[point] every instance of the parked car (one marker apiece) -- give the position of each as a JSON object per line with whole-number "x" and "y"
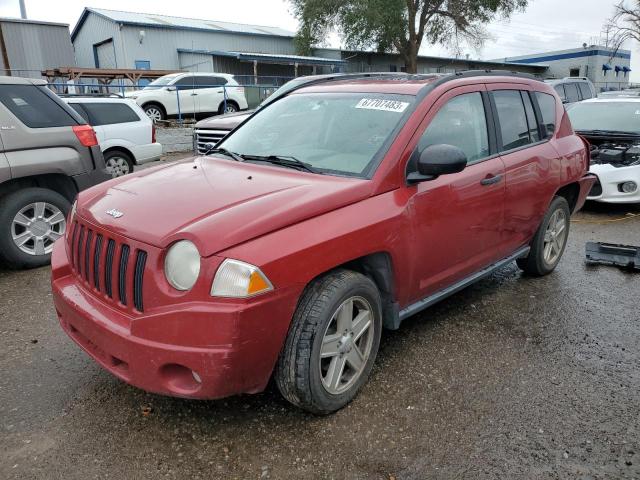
{"x": 48, "y": 154}
{"x": 210, "y": 131}
{"x": 612, "y": 127}
{"x": 197, "y": 93}
{"x": 345, "y": 206}
{"x": 620, "y": 93}
{"x": 126, "y": 135}
{"x": 573, "y": 89}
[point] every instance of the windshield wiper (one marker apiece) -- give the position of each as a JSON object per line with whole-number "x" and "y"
{"x": 283, "y": 160}
{"x": 608, "y": 132}
{"x": 226, "y": 152}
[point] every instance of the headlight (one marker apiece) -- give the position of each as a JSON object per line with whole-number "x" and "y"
{"x": 239, "y": 280}
{"x": 182, "y": 265}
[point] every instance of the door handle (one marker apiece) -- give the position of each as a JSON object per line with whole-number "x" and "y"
{"x": 491, "y": 180}
{"x": 194, "y": 94}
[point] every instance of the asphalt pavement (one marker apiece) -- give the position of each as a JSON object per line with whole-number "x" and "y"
{"x": 512, "y": 378}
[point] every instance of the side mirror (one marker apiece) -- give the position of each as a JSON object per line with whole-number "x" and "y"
{"x": 436, "y": 160}
{"x": 171, "y": 89}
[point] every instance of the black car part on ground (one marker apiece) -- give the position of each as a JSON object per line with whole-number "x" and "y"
{"x": 624, "y": 256}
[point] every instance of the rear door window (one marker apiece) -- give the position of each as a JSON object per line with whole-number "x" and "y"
{"x": 561, "y": 92}
{"x": 210, "y": 82}
{"x": 572, "y": 92}
{"x": 109, "y": 113}
{"x": 34, "y": 107}
{"x": 512, "y": 118}
{"x": 585, "y": 90}
{"x": 547, "y": 104}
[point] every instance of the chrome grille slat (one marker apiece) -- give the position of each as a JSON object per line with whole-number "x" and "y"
{"x": 204, "y": 136}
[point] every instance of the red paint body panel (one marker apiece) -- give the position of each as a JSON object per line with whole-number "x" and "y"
{"x": 294, "y": 226}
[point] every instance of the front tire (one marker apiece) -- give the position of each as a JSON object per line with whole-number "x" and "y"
{"x": 550, "y": 240}
{"x": 332, "y": 342}
{"x": 155, "y": 112}
{"x": 118, "y": 163}
{"x": 31, "y": 220}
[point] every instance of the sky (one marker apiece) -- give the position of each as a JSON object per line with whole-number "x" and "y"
{"x": 544, "y": 26}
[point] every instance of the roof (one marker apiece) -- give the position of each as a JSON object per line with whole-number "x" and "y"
{"x": 269, "y": 57}
{"x": 593, "y": 50}
{"x": 32, "y": 22}
{"x": 166, "y": 21}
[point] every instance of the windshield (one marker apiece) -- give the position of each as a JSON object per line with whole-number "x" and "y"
{"x": 338, "y": 133}
{"x": 615, "y": 116}
{"x": 160, "y": 82}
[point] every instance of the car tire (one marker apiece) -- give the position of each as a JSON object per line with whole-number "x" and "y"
{"x": 231, "y": 107}
{"x": 155, "y": 112}
{"x": 118, "y": 163}
{"x": 28, "y": 244}
{"x": 550, "y": 240}
{"x": 307, "y": 374}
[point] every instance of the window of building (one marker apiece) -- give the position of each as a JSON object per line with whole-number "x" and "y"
{"x": 547, "y": 105}
{"x": 34, "y": 107}
{"x": 461, "y": 122}
{"x": 512, "y": 118}
{"x": 143, "y": 65}
{"x": 574, "y": 72}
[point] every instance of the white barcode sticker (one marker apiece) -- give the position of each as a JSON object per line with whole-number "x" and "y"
{"x": 381, "y": 104}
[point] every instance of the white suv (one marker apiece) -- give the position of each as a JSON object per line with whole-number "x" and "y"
{"x": 127, "y": 137}
{"x": 190, "y": 94}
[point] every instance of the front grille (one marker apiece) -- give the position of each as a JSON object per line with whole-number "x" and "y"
{"x": 596, "y": 190}
{"x": 204, "y": 136}
{"x": 107, "y": 270}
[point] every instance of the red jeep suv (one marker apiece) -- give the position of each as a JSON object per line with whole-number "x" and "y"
{"x": 339, "y": 209}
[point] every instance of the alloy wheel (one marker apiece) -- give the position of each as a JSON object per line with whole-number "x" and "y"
{"x": 555, "y": 237}
{"x": 154, "y": 114}
{"x": 346, "y": 345}
{"x": 117, "y": 166}
{"x": 230, "y": 108}
{"x": 36, "y": 227}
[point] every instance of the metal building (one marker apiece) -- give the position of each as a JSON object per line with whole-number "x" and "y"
{"x": 28, "y": 47}
{"x": 114, "y": 39}
{"x": 607, "y": 68}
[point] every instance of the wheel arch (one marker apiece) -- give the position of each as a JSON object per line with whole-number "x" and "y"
{"x": 121, "y": 149}
{"x": 57, "y": 182}
{"x": 155, "y": 103}
{"x": 571, "y": 193}
{"x": 378, "y": 267}
{"x": 221, "y": 106}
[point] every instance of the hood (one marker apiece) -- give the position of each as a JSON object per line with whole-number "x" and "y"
{"x": 215, "y": 203}
{"x": 228, "y": 121}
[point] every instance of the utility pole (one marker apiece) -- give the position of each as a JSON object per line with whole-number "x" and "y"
{"x": 23, "y": 10}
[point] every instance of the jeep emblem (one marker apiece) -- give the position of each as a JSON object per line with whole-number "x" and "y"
{"x": 115, "y": 213}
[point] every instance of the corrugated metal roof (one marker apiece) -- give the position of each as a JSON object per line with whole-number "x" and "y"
{"x": 269, "y": 57}
{"x": 167, "y": 21}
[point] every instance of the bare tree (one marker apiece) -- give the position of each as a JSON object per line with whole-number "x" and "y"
{"x": 624, "y": 25}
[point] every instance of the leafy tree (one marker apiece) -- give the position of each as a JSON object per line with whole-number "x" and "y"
{"x": 399, "y": 25}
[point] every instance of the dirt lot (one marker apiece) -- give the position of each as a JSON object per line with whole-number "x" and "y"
{"x": 513, "y": 378}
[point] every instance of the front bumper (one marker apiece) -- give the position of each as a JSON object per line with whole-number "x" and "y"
{"x": 209, "y": 349}
{"x": 610, "y": 178}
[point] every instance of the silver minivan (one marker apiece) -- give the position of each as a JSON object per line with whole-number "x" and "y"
{"x": 48, "y": 154}
{"x": 573, "y": 89}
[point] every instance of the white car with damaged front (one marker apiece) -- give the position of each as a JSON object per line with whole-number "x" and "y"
{"x": 612, "y": 127}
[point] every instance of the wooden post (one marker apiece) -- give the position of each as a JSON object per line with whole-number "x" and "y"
{"x": 295, "y": 69}
{"x": 255, "y": 72}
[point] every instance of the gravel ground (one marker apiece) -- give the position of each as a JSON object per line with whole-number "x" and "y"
{"x": 513, "y": 378}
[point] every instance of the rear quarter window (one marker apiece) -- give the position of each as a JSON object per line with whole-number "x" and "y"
{"x": 109, "y": 113}
{"x": 585, "y": 90}
{"x": 34, "y": 107}
{"x": 547, "y": 104}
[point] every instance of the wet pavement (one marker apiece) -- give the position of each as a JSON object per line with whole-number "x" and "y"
{"x": 513, "y": 378}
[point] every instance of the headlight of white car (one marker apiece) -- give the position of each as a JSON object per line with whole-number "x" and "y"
{"x": 182, "y": 265}
{"x": 239, "y": 280}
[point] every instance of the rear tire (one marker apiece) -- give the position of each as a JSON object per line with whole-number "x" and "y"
{"x": 332, "y": 342}
{"x": 231, "y": 107}
{"x": 30, "y": 221}
{"x": 550, "y": 240}
{"x": 118, "y": 163}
